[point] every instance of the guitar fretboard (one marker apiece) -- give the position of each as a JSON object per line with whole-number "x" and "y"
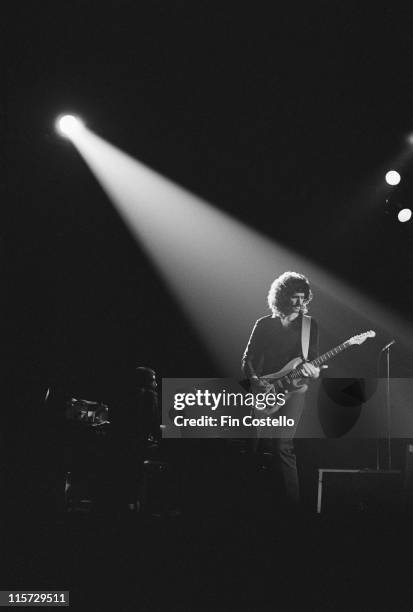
{"x": 321, "y": 359}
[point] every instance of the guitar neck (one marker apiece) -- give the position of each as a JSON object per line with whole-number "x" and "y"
{"x": 359, "y": 339}
{"x": 322, "y": 358}
{"x": 332, "y": 353}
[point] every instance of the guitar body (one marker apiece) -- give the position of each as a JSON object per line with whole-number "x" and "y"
{"x": 284, "y": 386}
{"x": 277, "y": 383}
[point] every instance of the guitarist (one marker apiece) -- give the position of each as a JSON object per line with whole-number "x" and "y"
{"x": 276, "y": 339}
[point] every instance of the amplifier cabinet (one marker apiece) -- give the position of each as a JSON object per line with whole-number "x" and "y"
{"x": 359, "y": 490}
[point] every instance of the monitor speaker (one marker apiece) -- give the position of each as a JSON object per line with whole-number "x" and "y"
{"x": 359, "y": 491}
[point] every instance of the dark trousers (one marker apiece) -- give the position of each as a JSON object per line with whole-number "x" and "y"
{"x": 280, "y": 457}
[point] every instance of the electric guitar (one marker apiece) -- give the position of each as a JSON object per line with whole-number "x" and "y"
{"x": 288, "y": 380}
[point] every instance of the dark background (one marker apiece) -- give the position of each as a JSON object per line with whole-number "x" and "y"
{"x": 285, "y": 117}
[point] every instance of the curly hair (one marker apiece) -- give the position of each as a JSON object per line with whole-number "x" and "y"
{"x": 283, "y": 288}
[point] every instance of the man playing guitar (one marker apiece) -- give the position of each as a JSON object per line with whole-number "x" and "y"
{"x": 275, "y": 340}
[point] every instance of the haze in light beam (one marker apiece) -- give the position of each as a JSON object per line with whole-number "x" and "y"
{"x": 219, "y": 269}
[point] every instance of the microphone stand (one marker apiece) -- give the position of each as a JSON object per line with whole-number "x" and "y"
{"x": 386, "y": 349}
{"x": 388, "y": 406}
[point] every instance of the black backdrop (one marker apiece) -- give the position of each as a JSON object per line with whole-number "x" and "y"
{"x": 286, "y": 120}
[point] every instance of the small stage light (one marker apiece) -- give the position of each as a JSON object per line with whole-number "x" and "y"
{"x": 404, "y": 215}
{"x": 393, "y": 177}
{"x": 68, "y": 125}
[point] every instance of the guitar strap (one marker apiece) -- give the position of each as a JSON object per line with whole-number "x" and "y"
{"x": 305, "y": 335}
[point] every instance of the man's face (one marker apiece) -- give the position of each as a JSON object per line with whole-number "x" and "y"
{"x": 297, "y": 301}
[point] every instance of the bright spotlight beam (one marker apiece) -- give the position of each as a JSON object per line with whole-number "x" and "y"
{"x": 69, "y": 125}
{"x": 218, "y": 268}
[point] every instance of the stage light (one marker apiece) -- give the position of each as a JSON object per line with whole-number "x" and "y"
{"x": 393, "y": 177}
{"x": 69, "y": 125}
{"x": 404, "y": 215}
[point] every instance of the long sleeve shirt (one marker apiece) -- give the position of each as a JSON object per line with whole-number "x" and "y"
{"x": 271, "y": 345}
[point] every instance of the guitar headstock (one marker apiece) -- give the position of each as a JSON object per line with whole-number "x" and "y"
{"x": 360, "y": 338}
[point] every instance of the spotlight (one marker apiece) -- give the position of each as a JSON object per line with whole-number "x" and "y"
{"x": 404, "y": 215}
{"x": 393, "y": 177}
{"x": 69, "y": 125}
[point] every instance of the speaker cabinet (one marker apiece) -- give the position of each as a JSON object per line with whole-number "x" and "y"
{"x": 358, "y": 491}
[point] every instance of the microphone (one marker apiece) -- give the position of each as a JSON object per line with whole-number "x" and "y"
{"x": 387, "y": 346}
